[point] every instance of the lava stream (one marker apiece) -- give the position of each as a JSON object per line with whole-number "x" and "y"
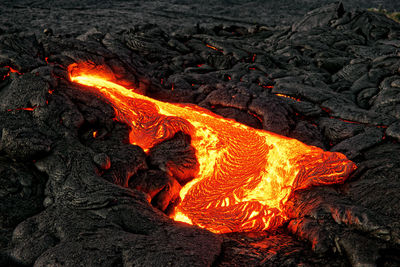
{"x": 245, "y": 174}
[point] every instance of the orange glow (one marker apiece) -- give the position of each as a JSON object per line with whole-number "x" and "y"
{"x": 13, "y": 70}
{"x": 245, "y": 176}
{"x": 213, "y": 47}
{"x": 287, "y": 96}
{"x": 266, "y": 86}
{"x": 26, "y": 109}
{"x": 10, "y": 70}
{"x": 255, "y": 115}
{"x": 94, "y": 134}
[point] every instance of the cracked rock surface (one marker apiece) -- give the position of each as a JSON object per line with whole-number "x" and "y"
{"x": 74, "y": 192}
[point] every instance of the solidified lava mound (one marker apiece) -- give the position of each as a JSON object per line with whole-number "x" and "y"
{"x": 75, "y": 192}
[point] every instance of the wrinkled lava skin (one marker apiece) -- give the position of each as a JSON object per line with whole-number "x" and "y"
{"x": 245, "y": 176}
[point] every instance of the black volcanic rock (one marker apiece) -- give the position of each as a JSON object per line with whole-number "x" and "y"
{"x": 353, "y": 146}
{"x": 22, "y": 138}
{"x": 275, "y": 114}
{"x": 176, "y": 157}
{"x": 73, "y": 191}
{"x": 110, "y": 219}
{"x": 162, "y": 188}
{"x": 394, "y": 131}
{"x": 21, "y": 196}
{"x": 33, "y": 89}
{"x": 320, "y": 17}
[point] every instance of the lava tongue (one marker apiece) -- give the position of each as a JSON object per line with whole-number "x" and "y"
{"x": 245, "y": 175}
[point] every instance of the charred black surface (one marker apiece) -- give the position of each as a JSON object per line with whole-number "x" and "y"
{"x": 176, "y": 157}
{"x": 74, "y": 192}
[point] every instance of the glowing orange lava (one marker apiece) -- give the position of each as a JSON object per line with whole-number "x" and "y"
{"x": 13, "y": 70}
{"x": 10, "y": 70}
{"x": 27, "y": 109}
{"x": 287, "y": 96}
{"x": 245, "y": 175}
{"x": 214, "y": 48}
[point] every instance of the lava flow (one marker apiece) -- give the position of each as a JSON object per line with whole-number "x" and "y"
{"x": 245, "y": 175}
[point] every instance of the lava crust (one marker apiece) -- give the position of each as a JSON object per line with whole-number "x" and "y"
{"x": 79, "y": 185}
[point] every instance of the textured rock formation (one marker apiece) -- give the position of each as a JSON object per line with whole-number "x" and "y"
{"x": 74, "y": 192}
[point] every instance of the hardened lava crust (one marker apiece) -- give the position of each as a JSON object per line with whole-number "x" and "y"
{"x": 75, "y": 192}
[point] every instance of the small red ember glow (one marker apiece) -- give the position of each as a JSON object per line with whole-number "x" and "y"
{"x": 266, "y": 86}
{"x": 27, "y": 109}
{"x": 13, "y": 70}
{"x": 246, "y": 175}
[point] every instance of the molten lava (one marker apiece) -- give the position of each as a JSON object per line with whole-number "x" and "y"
{"x": 245, "y": 176}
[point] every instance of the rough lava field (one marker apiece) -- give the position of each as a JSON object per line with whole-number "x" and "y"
{"x": 74, "y": 192}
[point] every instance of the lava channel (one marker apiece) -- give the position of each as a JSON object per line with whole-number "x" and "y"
{"x": 245, "y": 175}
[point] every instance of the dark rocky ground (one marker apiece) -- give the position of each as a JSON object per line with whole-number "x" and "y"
{"x": 69, "y": 199}
{"x": 77, "y": 16}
